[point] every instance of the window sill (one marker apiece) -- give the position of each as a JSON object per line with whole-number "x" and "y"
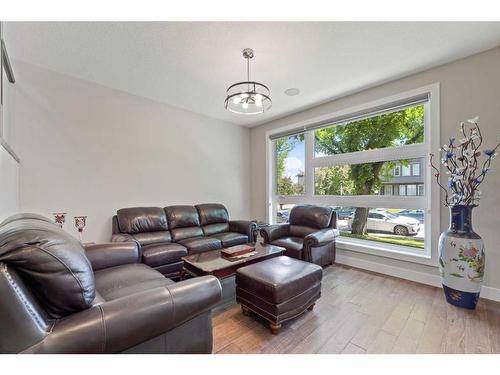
{"x": 404, "y": 253}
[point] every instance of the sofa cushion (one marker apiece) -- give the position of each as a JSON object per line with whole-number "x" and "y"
{"x": 294, "y": 243}
{"x": 113, "y": 283}
{"x": 159, "y": 254}
{"x": 211, "y": 213}
{"x": 201, "y": 244}
{"x": 210, "y": 229}
{"x": 182, "y": 216}
{"x": 301, "y": 230}
{"x": 141, "y": 219}
{"x": 148, "y": 238}
{"x": 311, "y": 216}
{"x": 179, "y": 234}
{"x": 51, "y": 261}
{"x": 230, "y": 238}
{"x": 279, "y": 279}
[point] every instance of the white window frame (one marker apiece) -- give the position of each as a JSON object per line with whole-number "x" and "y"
{"x": 429, "y": 203}
{"x": 420, "y": 186}
{"x": 406, "y": 168}
{"x": 398, "y": 169}
{"x": 402, "y": 186}
{"x": 411, "y": 195}
{"x": 413, "y": 165}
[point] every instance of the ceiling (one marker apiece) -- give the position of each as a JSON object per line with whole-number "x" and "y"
{"x": 190, "y": 64}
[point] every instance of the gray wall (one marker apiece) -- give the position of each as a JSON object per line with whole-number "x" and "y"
{"x": 469, "y": 87}
{"x": 89, "y": 150}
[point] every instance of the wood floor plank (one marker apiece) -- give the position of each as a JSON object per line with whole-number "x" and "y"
{"x": 431, "y": 340}
{"x": 382, "y": 344}
{"x": 353, "y": 349}
{"x": 408, "y": 339}
{"x": 364, "y": 312}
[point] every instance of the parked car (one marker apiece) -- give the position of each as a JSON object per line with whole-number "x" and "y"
{"x": 416, "y": 214}
{"x": 384, "y": 221}
{"x": 344, "y": 213}
{"x": 282, "y": 216}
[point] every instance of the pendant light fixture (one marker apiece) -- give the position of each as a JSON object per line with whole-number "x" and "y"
{"x": 249, "y": 97}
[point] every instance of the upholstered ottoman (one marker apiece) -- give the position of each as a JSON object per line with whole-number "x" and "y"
{"x": 278, "y": 289}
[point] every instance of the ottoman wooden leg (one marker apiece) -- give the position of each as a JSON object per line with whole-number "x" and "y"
{"x": 310, "y": 308}
{"x": 245, "y": 310}
{"x": 275, "y": 328}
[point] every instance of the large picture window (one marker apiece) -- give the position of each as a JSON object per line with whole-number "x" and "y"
{"x": 358, "y": 163}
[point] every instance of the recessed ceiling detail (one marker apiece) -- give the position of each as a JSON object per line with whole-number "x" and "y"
{"x": 293, "y": 91}
{"x": 190, "y": 64}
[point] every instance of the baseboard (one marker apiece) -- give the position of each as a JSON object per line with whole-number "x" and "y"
{"x": 487, "y": 292}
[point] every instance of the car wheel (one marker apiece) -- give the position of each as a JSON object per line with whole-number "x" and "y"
{"x": 401, "y": 230}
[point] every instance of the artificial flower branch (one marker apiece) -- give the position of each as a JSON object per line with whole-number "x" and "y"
{"x": 462, "y": 162}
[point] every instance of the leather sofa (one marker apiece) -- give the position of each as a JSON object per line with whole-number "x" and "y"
{"x": 167, "y": 234}
{"x": 309, "y": 235}
{"x": 58, "y": 297}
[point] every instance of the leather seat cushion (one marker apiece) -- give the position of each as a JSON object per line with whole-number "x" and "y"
{"x": 311, "y": 216}
{"x": 182, "y": 216}
{"x": 120, "y": 281}
{"x": 163, "y": 253}
{"x": 230, "y": 238}
{"x": 147, "y": 238}
{"x": 201, "y": 244}
{"x": 141, "y": 219}
{"x": 211, "y": 229}
{"x": 211, "y": 213}
{"x": 293, "y": 243}
{"x": 51, "y": 262}
{"x": 278, "y": 279}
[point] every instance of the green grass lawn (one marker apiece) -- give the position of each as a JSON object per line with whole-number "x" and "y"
{"x": 396, "y": 240}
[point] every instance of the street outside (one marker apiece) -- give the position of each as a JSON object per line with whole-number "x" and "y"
{"x": 342, "y": 225}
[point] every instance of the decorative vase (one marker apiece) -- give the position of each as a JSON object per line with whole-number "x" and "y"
{"x": 461, "y": 259}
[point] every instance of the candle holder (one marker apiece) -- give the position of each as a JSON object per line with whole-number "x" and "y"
{"x": 80, "y": 222}
{"x": 59, "y": 218}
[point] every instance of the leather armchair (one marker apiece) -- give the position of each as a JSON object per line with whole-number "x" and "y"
{"x": 58, "y": 297}
{"x": 310, "y": 234}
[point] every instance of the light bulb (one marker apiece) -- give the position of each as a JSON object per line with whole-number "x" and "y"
{"x": 258, "y": 103}
{"x": 236, "y": 100}
{"x": 245, "y": 105}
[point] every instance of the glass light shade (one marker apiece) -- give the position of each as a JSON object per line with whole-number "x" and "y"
{"x": 248, "y": 98}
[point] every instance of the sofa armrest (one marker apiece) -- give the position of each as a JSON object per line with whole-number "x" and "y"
{"x": 244, "y": 227}
{"x": 113, "y": 254}
{"x": 320, "y": 237}
{"x": 122, "y": 323}
{"x": 273, "y": 232}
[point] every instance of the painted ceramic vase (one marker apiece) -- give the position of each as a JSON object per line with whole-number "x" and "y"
{"x": 461, "y": 259}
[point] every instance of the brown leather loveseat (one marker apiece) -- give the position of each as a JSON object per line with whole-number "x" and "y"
{"x": 57, "y": 297}
{"x": 309, "y": 235}
{"x": 167, "y": 234}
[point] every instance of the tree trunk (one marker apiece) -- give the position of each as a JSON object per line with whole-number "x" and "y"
{"x": 360, "y": 219}
{"x": 359, "y": 222}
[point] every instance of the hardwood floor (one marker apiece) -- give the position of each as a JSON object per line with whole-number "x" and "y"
{"x": 363, "y": 312}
